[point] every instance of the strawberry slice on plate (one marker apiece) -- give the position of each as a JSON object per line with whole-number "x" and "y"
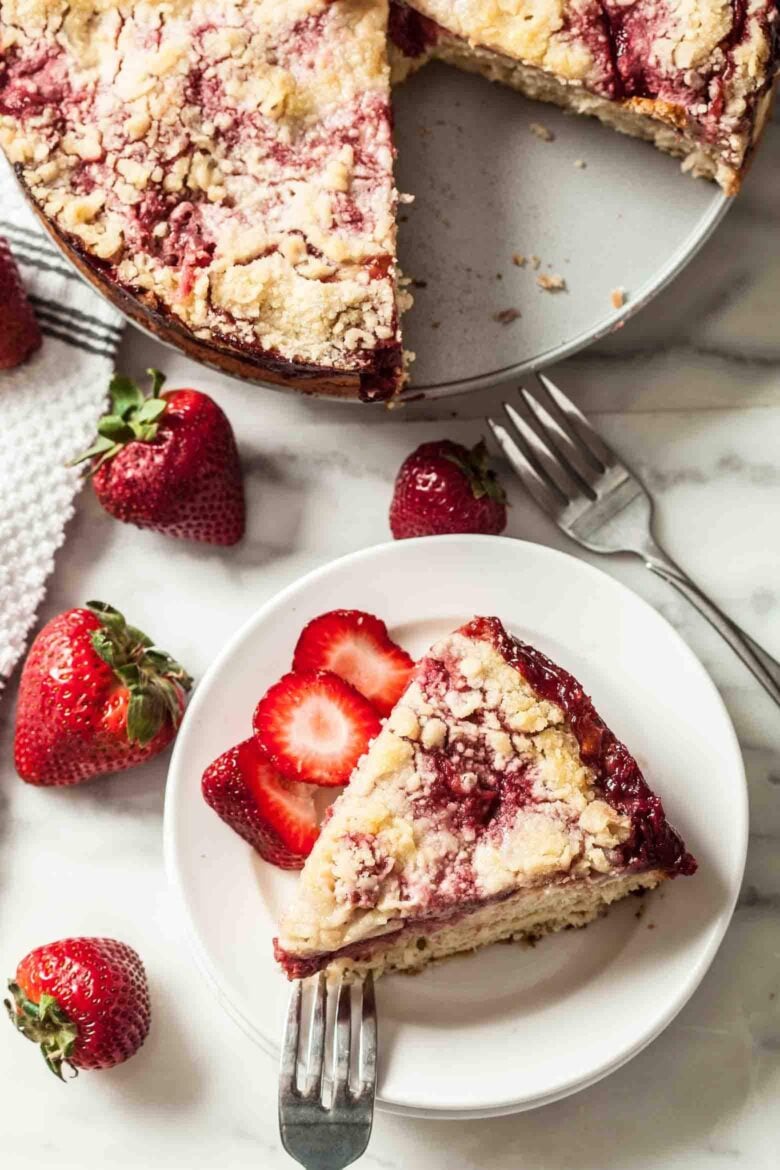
{"x": 276, "y": 816}
{"x": 315, "y": 727}
{"x": 356, "y": 646}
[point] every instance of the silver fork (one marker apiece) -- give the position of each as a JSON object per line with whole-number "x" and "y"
{"x": 597, "y": 501}
{"x": 326, "y": 1114}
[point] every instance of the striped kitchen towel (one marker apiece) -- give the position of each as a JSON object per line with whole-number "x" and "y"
{"x": 48, "y": 410}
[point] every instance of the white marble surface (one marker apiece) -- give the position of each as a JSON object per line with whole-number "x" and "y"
{"x": 690, "y": 392}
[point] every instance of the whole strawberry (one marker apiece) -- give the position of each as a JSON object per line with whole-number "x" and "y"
{"x": 95, "y": 696}
{"x": 20, "y": 334}
{"x": 168, "y": 462}
{"x": 443, "y": 487}
{"x": 85, "y": 1001}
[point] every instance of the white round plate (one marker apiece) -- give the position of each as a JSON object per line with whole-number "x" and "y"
{"x": 510, "y": 1027}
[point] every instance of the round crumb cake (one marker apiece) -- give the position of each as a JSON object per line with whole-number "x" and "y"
{"x": 223, "y": 171}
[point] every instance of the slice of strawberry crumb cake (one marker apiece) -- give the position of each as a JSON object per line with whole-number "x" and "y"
{"x": 494, "y": 804}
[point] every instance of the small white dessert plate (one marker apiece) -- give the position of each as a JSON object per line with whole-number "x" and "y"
{"x": 510, "y": 1027}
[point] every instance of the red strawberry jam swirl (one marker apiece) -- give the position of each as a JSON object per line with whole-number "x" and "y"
{"x": 410, "y": 31}
{"x": 654, "y": 844}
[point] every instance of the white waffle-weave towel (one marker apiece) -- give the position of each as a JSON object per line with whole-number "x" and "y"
{"x": 48, "y": 410}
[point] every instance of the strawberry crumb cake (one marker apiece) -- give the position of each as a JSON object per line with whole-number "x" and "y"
{"x": 225, "y": 167}
{"x": 494, "y": 804}
{"x": 694, "y": 77}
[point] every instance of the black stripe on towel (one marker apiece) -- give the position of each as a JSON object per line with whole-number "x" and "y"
{"x": 80, "y": 320}
{"x": 77, "y": 342}
{"x": 32, "y": 261}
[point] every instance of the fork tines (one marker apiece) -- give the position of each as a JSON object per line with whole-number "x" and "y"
{"x": 563, "y": 463}
{"x": 327, "y": 1079}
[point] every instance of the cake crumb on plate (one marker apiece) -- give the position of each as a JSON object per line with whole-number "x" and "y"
{"x": 618, "y": 298}
{"x": 551, "y": 282}
{"x": 518, "y": 259}
{"x": 541, "y": 132}
{"x": 507, "y": 316}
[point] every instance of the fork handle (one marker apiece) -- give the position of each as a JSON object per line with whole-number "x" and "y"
{"x": 761, "y": 664}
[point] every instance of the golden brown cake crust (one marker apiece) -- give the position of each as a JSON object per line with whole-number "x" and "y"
{"x": 333, "y": 384}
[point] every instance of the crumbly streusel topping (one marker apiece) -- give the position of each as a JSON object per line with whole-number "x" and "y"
{"x": 474, "y": 788}
{"x": 233, "y": 160}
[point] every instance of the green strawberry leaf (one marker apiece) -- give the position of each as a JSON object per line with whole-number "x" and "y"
{"x": 158, "y": 381}
{"x": 138, "y": 636}
{"x": 130, "y": 674}
{"x": 125, "y": 394}
{"x": 47, "y": 1025}
{"x": 133, "y": 418}
{"x": 114, "y": 427}
{"x": 475, "y": 465}
{"x": 110, "y": 618}
{"x": 151, "y": 410}
{"x": 103, "y": 645}
{"x": 144, "y": 432}
{"x": 102, "y": 446}
{"x": 155, "y": 681}
{"x": 145, "y": 716}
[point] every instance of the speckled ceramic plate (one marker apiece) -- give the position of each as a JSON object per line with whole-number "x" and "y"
{"x": 510, "y": 1027}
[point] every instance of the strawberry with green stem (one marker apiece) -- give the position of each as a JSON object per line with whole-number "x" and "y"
{"x": 96, "y": 696}
{"x": 83, "y": 1001}
{"x": 168, "y": 462}
{"x": 444, "y": 487}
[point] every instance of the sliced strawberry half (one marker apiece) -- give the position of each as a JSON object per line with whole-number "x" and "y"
{"x": 356, "y": 646}
{"x": 315, "y": 726}
{"x": 276, "y": 816}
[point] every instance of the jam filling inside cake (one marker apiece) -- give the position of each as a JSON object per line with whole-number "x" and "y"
{"x": 703, "y": 70}
{"x": 410, "y": 31}
{"x": 229, "y": 164}
{"x": 653, "y": 842}
{"x": 495, "y": 803}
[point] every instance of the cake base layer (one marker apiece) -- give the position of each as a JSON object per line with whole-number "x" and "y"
{"x": 658, "y": 122}
{"x": 528, "y": 915}
{"x": 714, "y": 138}
{"x": 653, "y": 121}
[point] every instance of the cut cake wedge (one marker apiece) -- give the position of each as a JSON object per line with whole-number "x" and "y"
{"x": 495, "y": 804}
